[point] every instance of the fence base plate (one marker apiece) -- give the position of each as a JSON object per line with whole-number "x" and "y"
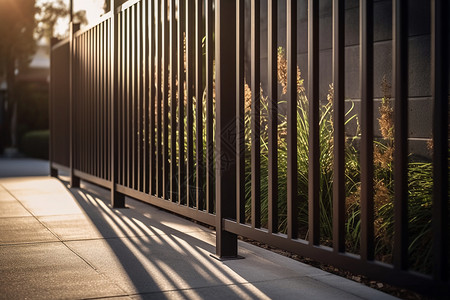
{"x": 225, "y": 258}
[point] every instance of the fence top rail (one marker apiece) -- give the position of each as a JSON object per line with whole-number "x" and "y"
{"x": 60, "y": 43}
{"x": 102, "y": 19}
{"x": 126, "y": 5}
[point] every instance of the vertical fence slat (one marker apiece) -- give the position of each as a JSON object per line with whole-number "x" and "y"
{"x": 439, "y": 90}
{"x": 240, "y": 112}
{"x": 82, "y": 105}
{"x": 123, "y": 100}
{"x": 80, "y": 96}
{"x": 255, "y": 120}
{"x": 127, "y": 79}
{"x": 209, "y": 105}
{"x": 52, "y": 123}
{"x": 173, "y": 103}
{"x": 181, "y": 103}
{"x": 139, "y": 74}
{"x": 400, "y": 77}
{"x": 291, "y": 55}
{"x": 102, "y": 100}
{"x": 74, "y": 181}
{"x": 112, "y": 98}
{"x": 313, "y": 120}
{"x": 119, "y": 99}
{"x": 152, "y": 26}
{"x": 92, "y": 103}
{"x": 190, "y": 48}
{"x": 273, "y": 115}
{"x": 199, "y": 104}
{"x": 101, "y": 63}
{"x": 86, "y": 106}
{"x": 119, "y": 76}
{"x": 85, "y": 103}
{"x": 97, "y": 101}
{"x": 89, "y": 103}
{"x": 165, "y": 121}
{"x": 91, "y": 99}
{"x": 106, "y": 74}
{"x": 117, "y": 199}
{"x": 159, "y": 179}
{"x": 339, "y": 126}
{"x": 51, "y": 111}
{"x": 129, "y": 96}
{"x": 133, "y": 102}
{"x": 146, "y": 60}
{"x": 366, "y": 78}
{"x": 140, "y": 80}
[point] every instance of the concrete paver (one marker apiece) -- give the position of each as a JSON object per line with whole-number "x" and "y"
{"x": 49, "y": 271}
{"x": 12, "y": 208}
{"x": 71, "y": 244}
{"x": 23, "y": 230}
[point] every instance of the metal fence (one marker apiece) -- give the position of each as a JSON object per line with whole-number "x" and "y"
{"x": 150, "y": 103}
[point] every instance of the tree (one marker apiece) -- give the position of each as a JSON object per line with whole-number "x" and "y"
{"x": 17, "y": 45}
{"x": 50, "y": 12}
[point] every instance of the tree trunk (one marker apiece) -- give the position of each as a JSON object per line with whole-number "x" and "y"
{"x": 12, "y": 102}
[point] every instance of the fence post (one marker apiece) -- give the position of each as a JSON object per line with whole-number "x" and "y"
{"x": 74, "y": 181}
{"x": 117, "y": 199}
{"x": 439, "y": 91}
{"x": 53, "y": 171}
{"x": 226, "y": 242}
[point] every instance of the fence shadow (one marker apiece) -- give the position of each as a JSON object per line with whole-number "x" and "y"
{"x": 160, "y": 258}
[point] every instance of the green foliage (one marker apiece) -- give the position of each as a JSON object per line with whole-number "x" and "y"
{"x": 35, "y": 144}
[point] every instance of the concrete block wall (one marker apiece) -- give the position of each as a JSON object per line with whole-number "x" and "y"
{"x": 420, "y": 104}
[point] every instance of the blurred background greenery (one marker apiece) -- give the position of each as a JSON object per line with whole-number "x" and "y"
{"x": 26, "y": 30}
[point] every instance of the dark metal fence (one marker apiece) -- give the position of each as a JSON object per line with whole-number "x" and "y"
{"x": 157, "y": 113}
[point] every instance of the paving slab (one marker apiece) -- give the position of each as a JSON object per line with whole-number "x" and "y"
{"x": 23, "y": 230}
{"x": 49, "y": 271}
{"x": 12, "y": 208}
{"x": 75, "y": 227}
{"x": 353, "y": 287}
{"x": 5, "y": 195}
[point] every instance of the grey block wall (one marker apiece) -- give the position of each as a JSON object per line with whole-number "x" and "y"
{"x": 420, "y": 104}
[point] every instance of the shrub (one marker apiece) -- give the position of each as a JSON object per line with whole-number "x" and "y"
{"x": 35, "y": 144}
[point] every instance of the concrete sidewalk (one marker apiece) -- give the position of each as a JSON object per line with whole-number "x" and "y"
{"x": 59, "y": 243}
